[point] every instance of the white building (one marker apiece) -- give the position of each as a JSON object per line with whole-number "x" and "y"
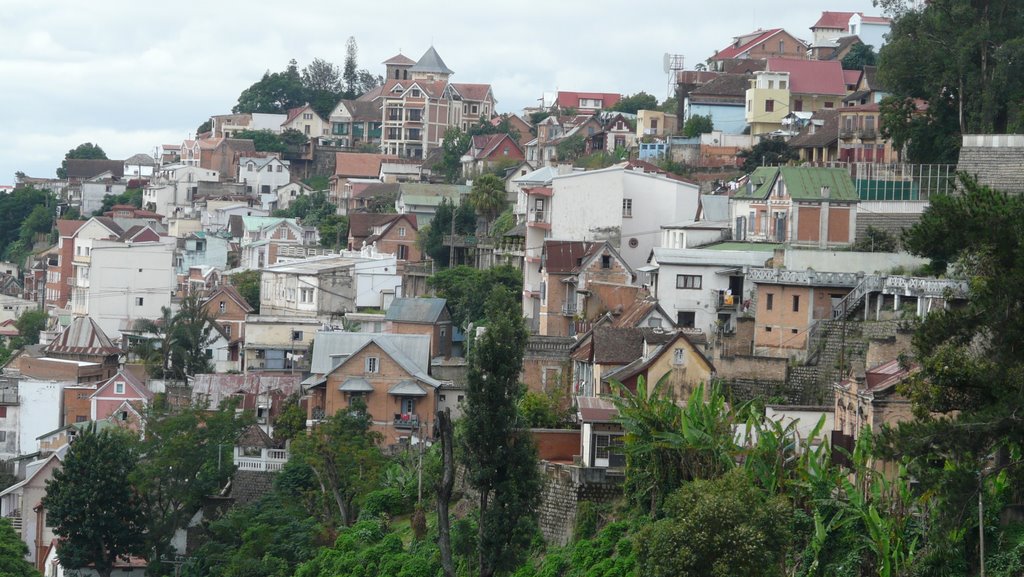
{"x": 175, "y": 186}
{"x": 217, "y": 214}
{"x": 870, "y": 29}
{"x": 13, "y": 307}
{"x": 622, "y": 204}
{"x": 263, "y": 176}
{"x": 96, "y": 188}
{"x": 116, "y": 283}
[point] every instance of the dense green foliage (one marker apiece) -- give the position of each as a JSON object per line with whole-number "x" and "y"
{"x": 315, "y": 210}
{"x": 494, "y": 444}
{"x": 571, "y": 148}
{"x": 964, "y": 59}
{"x": 462, "y": 286}
{"x": 488, "y": 196}
{"x": 268, "y": 141}
{"x": 30, "y": 324}
{"x": 96, "y": 527}
{"x": 431, "y": 236}
{"x": 876, "y": 240}
{"x": 174, "y": 346}
{"x": 131, "y": 196}
{"x": 697, "y": 125}
{"x": 24, "y": 213}
{"x": 859, "y": 56}
{"x": 768, "y": 152}
{"x": 84, "y": 151}
{"x": 370, "y": 549}
{"x": 12, "y": 553}
{"x": 455, "y": 144}
{"x": 248, "y": 285}
{"x": 635, "y": 102}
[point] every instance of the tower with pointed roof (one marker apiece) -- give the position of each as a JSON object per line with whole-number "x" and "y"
{"x": 431, "y": 67}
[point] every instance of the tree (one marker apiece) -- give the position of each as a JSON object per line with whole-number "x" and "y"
{"x": 205, "y": 126}
{"x": 275, "y": 93}
{"x": 859, "y": 56}
{"x": 697, "y": 125}
{"x": 267, "y": 141}
{"x": 876, "y": 240}
{"x": 726, "y": 526}
{"x": 639, "y": 101}
{"x": 322, "y": 81}
{"x": 455, "y": 144}
{"x": 344, "y": 455}
{"x": 178, "y": 342}
{"x": 488, "y": 196}
{"x": 185, "y": 457}
{"x": 770, "y": 151}
{"x": 91, "y": 504}
{"x": 13, "y": 552}
{"x": 431, "y": 237}
{"x": 30, "y": 324}
{"x": 500, "y": 458}
{"x": 351, "y": 74}
{"x": 965, "y": 59}
{"x": 86, "y": 151}
{"x": 130, "y": 196}
{"x": 16, "y": 208}
{"x": 248, "y": 285}
{"x": 571, "y": 148}
{"x": 462, "y": 286}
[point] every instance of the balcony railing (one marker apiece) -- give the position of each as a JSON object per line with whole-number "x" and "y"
{"x": 569, "y": 309}
{"x": 469, "y": 241}
{"x": 538, "y": 217}
{"x": 726, "y": 300}
{"x": 9, "y": 396}
{"x": 407, "y": 421}
{"x": 15, "y": 523}
{"x": 269, "y": 460}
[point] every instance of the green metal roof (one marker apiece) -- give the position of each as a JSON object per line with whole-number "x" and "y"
{"x": 802, "y": 183}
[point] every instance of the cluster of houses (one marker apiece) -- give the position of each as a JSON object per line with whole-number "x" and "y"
{"x": 630, "y": 272}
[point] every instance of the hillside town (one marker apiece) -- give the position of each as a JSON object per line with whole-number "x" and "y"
{"x": 752, "y": 326}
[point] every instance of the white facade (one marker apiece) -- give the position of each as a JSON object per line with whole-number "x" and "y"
{"x": 692, "y": 284}
{"x": 175, "y": 187}
{"x": 871, "y": 31}
{"x": 116, "y": 283}
{"x": 218, "y": 212}
{"x": 263, "y": 176}
{"x": 39, "y": 411}
{"x": 94, "y": 189}
{"x": 13, "y": 307}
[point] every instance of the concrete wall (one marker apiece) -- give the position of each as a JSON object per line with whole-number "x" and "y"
{"x": 564, "y": 486}
{"x": 849, "y": 261}
{"x": 751, "y": 367}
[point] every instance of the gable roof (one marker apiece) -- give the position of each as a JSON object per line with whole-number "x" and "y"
{"x": 129, "y": 379}
{"x": 564, "y": 256}
{"x": 483, "y": 145}
{"x": 396, "y": 354}
{"x": 140, "y": 159}
{"x": 83, "y": 337}
{"x": 833, "y": 20}
{"x": 724, "y": 87}
{"x": 416, "y": 310}
{"x": 802, "y": 183}
{"x": 472, "y": 91}
{"x": 255, "y": 436}
{"x": 293, "y": 113}
{"x": 330, "y": 345}
{"x": 738, "y": 47}
{"x": 69, "y": 227}
{"x": 815, "y": 135}
{"x": 363, "y": 110}
{"x": 431, "y": 62}
{"x": 215, "y": 388}
{"x": 641, "y": 364}
{"x": 811, "y": 76}
{"x": 400, "y": 60}
{"x": 232, "y": 293}
{"x": 572, "y": 99}
{"x": 357, "y": 164}
{"x": 617, "y": 345}
{"x": 361, "y": 224}
{"x": 86, "y": 168}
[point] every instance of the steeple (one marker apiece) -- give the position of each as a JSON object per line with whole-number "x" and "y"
{"x": 431, "y": 67}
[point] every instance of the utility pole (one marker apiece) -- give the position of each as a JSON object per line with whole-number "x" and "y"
{"x": 451, "y": 246}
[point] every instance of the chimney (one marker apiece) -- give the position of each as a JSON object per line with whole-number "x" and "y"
{"x": 825, "y": 192}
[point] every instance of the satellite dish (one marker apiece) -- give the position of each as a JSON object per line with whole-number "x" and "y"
{"x": 665, "y": 63}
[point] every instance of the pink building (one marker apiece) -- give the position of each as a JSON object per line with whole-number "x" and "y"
{"x": 120, "y": 398}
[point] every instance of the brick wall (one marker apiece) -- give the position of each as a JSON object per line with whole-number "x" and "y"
{"x": 556, "y": 444}
{"x": 751, "y": 367}
{"x": 883, "y": 350}
{"x": 564, "y": 486}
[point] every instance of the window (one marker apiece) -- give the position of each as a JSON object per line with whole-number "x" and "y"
{"x": 209, "y": 353}
{"x": 371, "y": 365}
{"x": 749, "y": 102}
{"x": 769, "y": 302}
{"x": 627, "y": 207}
{"x": 782, "y": 84}
{"x": 606, "y": 261}
{"x": 798, "y": 105}
{"x": 769, "y": 105}
{"x": 138, "y": 301}
{"x": 767, "y": 329}
{"x": 296, "y": 335}
{"x": 403, "y": 252}
{"x": 796, "y": 303}
{"x": 679, "y": 357}
{"x": 686, "y": 319}
{"x": 227, "y": 330}
{"x": 415, "y": 93}
{"x": 119, "y": 388}
{"x": 307, "y": 116}
{"x": 81, "y": 418}
{"x": 306, "y": 295}
{"x": 443, "y": 398}
{"x": 461, "y": 397}
{"x": 3, "y": 436}
{"x": 688, "y": 281}
{"x": 829, "y": 104}
{"x": 223, "y": 306}
{"x": 415, "y": 114}
{"x": 401, "y": 231}
{"x": 280, "y": 167}
{"x": 473, "y": 109}
{"x": 3, "y": 412}
{"x": 751, "y": 220}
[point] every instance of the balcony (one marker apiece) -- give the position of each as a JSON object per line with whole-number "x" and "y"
{"x": 539, "y": 219}
{"x": 271, "y": 460}
{"x": 847, "y": 133}
{"x": 868, "y": 134}
{"x": 9, "y": 395}
{"x": 15, "y": 522}
{"x": 569, "y": 310}
{"x": 407, "y": 421}
{"x": 726, "y": 301}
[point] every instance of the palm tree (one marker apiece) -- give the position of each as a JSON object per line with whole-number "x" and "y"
{"x": 488, "y": 197}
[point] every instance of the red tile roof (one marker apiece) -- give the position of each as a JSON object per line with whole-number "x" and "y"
{"x": 874, "y": 20}
{"x": 472, "y": 91}
{"x": 838, "y": 20}
{"x": 400, "y": 60}
{"x": 811, "y": 76}
{"x": 572, "y": 99}
{"x": 294, "y": 112}
{"x": 563, "y": 256}
{"x": 851, "y": 77}
{"x": 69, "y": 227}
{"x": 734, "y": 51}
{"x": 357, "y": 164}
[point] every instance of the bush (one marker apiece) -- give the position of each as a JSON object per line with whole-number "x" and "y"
{"x": 384, "y": 501}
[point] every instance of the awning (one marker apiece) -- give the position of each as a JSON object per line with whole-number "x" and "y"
{"x": 314, "y": 380}
{"x": 729, "y": 271}
{"x": 356, "y": 385}
{"x": 407, "y": 389}
{"x": 648, "y": 268}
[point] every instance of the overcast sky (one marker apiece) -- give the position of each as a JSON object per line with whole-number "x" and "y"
{"x": 132, "y": 75}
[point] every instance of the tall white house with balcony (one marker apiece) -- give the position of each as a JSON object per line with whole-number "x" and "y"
{"x": 263, "y": 176}
{"x": 624, "y": 204}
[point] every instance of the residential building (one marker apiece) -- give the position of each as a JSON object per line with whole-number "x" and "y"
{"x": 586, "y": 102}
{"x": 489, "y": 151}
{"x": 389, "y": 373}
{"x": 722, "y": 99}
{"x": 655, "y": 123}
{"x": 221, "y": 154}
{"x": 306, "y": 121}
{"x": 473, "y": 104}
{"x": 758, "y": 45}
{"x": 122, "y": 398}
{"x": 19, "y": 503}
{"x": 176, "y": 186}
{"x": 216, "y": 215}
{"x": 327, "y": 287}
{"x": 283, "y": 196}
{"x": 421, "y": 200}
{"x": 12, "y": 307}
{"x": 554, "y": 130}
{"x": 201, "y": 249}
{"x": 355, "y": 123}
{"x": 860, "y": 123}
{"x": 790, "y": 86}
{"x": 818, "y": 140}
{"x": 263, "y": 176}
{"x": 797, "y": 205}
{"x": 119, "y": 281}
{"x": 228, "y": 125}
{"x": 265, "y": 394}
{"x": 832, "y": 25}
{"x": 872, "y": 30}
{"x": 423, "y": 316}
{"x": 277, "y": 344}
{"x": 620, "y": 204}
{"x": 580, "y": 280}
{"x": 704, "y": 288}
{"x": 94, "y": 189}
{"x": 28, "y": 408}
{"x": 391, "y": 234}
{"x": 677, "y": 360}
{"x": 349, "y": 166}
{"x": 139, "y": 166}
{"x": 229, "y": 310}
{"x": 263, "y": 239}
{"x": 606, "y": 348}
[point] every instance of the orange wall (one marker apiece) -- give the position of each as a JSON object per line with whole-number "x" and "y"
{"x": 839, "y": 224}
{"x": 808, "y": 223}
